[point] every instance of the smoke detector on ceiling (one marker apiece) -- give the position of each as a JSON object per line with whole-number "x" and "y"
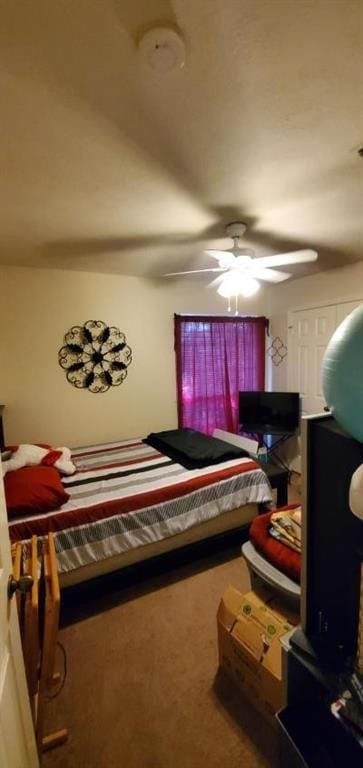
{"x": 162, "y": 49}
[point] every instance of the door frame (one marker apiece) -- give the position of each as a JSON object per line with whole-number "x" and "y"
{"x": 17, "y": 723}
{"x": 325, "y": 303}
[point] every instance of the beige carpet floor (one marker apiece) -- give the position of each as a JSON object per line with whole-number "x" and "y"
{"x": 142, "y": 689}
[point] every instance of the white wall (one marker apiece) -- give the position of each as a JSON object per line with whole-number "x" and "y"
{"x": 38, "y": 306}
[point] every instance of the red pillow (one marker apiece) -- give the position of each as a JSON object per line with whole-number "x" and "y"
{"x": 33, "y": 490}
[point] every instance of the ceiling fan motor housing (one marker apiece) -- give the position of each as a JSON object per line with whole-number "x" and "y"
{"x": 236, "y": 229}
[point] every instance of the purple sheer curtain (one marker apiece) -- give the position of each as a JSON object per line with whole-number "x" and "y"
{"x": 215, "y": 359}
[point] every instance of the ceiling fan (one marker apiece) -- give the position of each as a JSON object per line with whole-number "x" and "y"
{"x": 240, "y": 271}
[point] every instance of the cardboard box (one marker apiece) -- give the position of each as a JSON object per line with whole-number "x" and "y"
{"x": 250, "y": 628}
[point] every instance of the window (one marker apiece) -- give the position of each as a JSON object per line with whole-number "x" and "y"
{"x": 217, "y": 357}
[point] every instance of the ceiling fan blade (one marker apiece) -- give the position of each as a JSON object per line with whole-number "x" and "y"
{"x": 195, "y": 271}
{"x": 280, "y": 260}
{"x": 216, "y": 254}
{"x": 270, "y": 275}
{"x": 227, "y": 257}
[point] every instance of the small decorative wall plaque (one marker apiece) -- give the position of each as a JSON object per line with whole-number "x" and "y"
{"x": 95, "y": 356}
{"x": 277, "y": 350}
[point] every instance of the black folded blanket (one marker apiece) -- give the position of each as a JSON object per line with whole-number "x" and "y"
{"x": 192, "y": 449}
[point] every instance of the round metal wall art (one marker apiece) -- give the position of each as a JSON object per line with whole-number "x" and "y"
{"x": 95, "y": 356}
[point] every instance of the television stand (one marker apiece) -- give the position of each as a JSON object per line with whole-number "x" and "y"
{"x": 278, "y": 439}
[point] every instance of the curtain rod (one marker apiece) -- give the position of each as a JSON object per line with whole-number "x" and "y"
{"x": 211, "y": 314}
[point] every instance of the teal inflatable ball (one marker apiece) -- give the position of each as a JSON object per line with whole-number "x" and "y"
{"x": 342, "y": 374}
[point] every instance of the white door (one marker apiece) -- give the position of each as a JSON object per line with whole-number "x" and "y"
{"x": 309, "y": 333}
{"x": 17, "y": 741}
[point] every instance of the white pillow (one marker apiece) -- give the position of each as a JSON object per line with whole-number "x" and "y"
{"x": 28, "y": 455}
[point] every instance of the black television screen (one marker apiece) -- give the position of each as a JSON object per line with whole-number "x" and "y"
{"x": 269, "y": 412}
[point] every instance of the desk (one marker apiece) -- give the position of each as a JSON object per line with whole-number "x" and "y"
{"x": 278, "y": 478}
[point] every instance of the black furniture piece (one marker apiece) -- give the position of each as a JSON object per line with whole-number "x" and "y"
{"x": 332, "y": 540}
{"x": 323, "y": 653}
{"x": 279, "y": 478}
{"x": 310, "y": 735}
{"x": 2, "y": 440}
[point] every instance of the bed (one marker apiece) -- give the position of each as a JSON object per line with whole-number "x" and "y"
{"x": 128, "y": 501}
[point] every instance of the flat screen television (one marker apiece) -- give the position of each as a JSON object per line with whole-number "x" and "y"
{"x": 269, "y": 413}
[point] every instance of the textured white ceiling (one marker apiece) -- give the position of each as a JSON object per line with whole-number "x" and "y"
{"x": 107, "y": 166}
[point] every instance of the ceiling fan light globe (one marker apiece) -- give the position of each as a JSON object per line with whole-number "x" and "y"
{"x": 238, "y": 284}
{"x": 228, "y": 286}
{"x": 250, "y": 286}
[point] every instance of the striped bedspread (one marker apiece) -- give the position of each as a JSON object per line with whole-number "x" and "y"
{"x": 127, "y": 494}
